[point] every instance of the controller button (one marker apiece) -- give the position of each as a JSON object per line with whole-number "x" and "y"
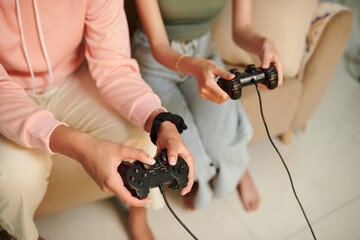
{"x": 163, "y": 159}
{"x": 136, "y": 170}
{"x": 175, "y": 168}
{"x": 141, "y": 183}
{"x": 132, "y": 178}
{"x": 250, "y": 68}
{"x": 233, "y": 70}
{"x": 152, "y": 172}
{"x": 145, "y": 175}
{"x": 181, "y": 171}
{"x": 146, "y": 166}
{"x": 183, "y": 166}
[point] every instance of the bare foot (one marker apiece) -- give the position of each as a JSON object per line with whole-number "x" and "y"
{"x": 248, "y": 193}
{"x": 139, "y": 228}
{"x": 189, "y": 199}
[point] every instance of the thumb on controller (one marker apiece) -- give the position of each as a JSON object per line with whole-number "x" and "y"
{"x": 223, "y": 74}
{"x": 140, "y": 155}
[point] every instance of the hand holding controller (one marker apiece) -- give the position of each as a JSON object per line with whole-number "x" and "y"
{"x": 139, "y": 177}
{"x": 268, "y": 77}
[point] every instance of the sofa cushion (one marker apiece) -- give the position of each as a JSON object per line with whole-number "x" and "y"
{"x": 286, "y": 22}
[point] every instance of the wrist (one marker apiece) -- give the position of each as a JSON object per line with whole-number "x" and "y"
{"x": 177, "y": 64}
{"x": 162, "y": 119}
{"x": 70, "y": 142}
{"x": 166, "y": 125}
{"x": 150, "y": 120}
{"x": 185, "y": 64}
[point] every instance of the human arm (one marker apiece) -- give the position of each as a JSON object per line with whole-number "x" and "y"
{"x": 169, "y": 138}
{"x": 247, "y": 38}
{"x": 203, "y": 70}
{"x": 101, "y": 158}
{"x": 118, "y": 77}
{"x": 21, "y": 120}
{"x": 24, "y": 122}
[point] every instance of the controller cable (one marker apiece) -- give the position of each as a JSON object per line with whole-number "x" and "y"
{"x": 162, "y": 190}
{"x": 287, "y": 170}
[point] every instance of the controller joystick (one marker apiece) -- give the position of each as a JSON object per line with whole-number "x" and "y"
{"x": 138, "y": 177}
{"x": 162, "y": 157}
{"x": 268, "y": 77}
{"x": 250, "y": 68}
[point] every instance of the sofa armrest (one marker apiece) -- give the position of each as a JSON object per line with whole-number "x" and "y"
{"x": 322, "y": 64}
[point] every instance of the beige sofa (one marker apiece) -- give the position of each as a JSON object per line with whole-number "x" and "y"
{"x": 287, "y": 108}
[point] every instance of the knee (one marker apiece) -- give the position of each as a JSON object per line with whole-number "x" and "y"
{"x": 18, "y": 181}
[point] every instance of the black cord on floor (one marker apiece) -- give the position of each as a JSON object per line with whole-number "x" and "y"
{"x": 287, "y": 170}
{"x": 173, "y": 213}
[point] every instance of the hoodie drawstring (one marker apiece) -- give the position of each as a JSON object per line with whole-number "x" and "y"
{"x": 43, "y": 46}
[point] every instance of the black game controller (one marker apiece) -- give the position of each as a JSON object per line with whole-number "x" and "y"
{"x": 268, "y": 77}
{"x": 139, "y": 177}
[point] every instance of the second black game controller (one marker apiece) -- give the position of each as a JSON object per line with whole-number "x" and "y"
{"x": 138, "y": 177}
{"x": 268, "y": 77}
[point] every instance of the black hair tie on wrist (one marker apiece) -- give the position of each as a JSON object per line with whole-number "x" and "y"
{"x": 166, "y": 116}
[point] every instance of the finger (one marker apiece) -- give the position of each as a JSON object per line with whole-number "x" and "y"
{"x": 158, "y": 149}
{"x": 256, "y": 205}
{"x": 133, "y": 201}
{"x": 223, "y": 74}
{"x": 206, "y": 94}
{"x": 118, "y": 187}
{"x": 138, "y": 154}
{"x": 266, "y": 61}
{"x": 172, "y": 147}
{"x": 247, "y": 208}
{"x": 279, "y": 68}
{"x": 190, "y": 161}
{"x": 216, "y": 94}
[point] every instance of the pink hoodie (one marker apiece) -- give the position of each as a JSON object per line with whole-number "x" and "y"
{"x": 43, "y": 38}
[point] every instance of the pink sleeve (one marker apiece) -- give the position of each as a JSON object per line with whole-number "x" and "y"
{"x": 108, "y": 54}
{"x": 21, "y": 120}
